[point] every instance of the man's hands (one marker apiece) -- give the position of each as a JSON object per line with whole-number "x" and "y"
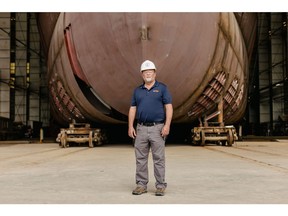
{"x": 131, "y": 132}
{"x": 165, "y": 131}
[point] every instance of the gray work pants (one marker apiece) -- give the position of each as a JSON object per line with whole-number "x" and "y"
{"x": 150, "y": 137}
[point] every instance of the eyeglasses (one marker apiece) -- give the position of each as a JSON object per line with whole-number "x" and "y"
{"x": 148, "y": 72}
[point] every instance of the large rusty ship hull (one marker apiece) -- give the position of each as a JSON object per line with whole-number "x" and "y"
{"x": 94, "y": 58}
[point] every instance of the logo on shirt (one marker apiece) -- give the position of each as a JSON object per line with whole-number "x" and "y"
{"x": 156, "y": 90}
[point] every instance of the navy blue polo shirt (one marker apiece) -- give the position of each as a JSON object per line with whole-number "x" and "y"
{"x": 150, "y": 103}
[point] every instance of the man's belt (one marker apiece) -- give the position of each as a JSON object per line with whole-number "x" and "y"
{"x": 149, "y": 124}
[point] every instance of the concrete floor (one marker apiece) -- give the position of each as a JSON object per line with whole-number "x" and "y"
{"x": 247, "y": 173}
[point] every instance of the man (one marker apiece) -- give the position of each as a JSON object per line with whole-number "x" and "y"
{"x": 152, "y": 107}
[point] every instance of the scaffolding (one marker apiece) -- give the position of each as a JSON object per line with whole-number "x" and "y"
{"x": 24, "y": 93}
{"x": 268, "y": 107}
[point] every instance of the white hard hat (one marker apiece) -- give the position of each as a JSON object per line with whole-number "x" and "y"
{"x": 147, "y": 65}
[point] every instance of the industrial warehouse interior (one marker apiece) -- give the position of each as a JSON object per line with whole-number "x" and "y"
{"x": 26, "y": 98}
{"x": 66, "y": 89}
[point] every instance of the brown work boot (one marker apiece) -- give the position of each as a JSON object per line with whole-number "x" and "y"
{"x": 139, "y": 190}
{"x": 160, "y": 192}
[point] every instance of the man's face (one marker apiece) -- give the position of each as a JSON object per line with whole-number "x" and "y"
{"x": 148, "y": 76}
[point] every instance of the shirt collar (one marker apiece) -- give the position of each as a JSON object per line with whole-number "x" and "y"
{"x": 155, "y": 85}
